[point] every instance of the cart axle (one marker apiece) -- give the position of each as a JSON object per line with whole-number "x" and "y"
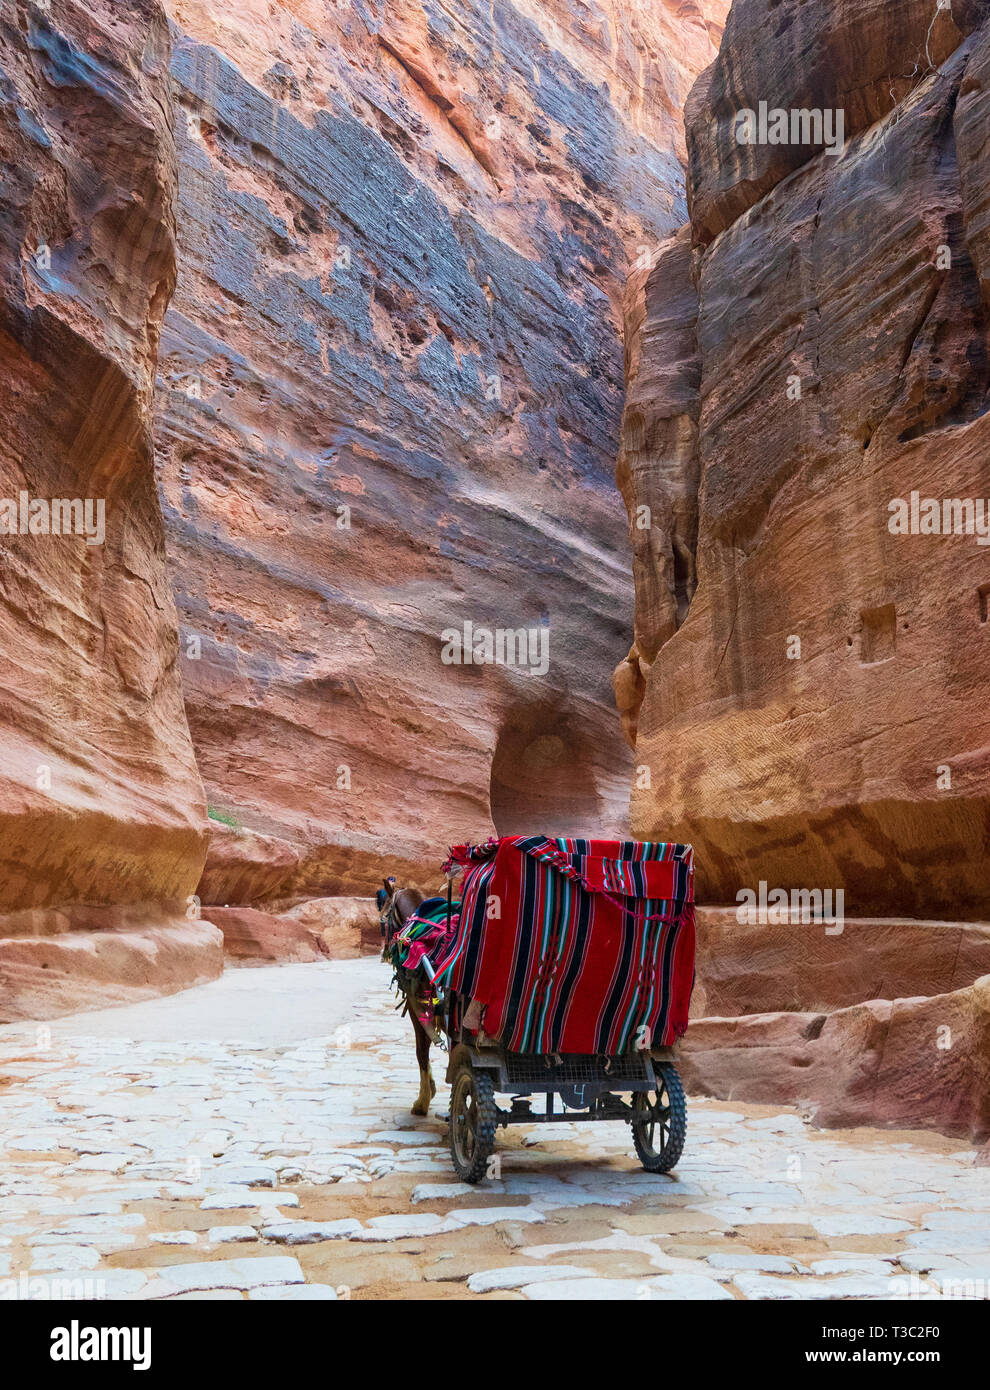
{"x": 610, "y": 1108}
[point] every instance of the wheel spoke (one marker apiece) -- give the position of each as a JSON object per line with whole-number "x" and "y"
{"x": 651, "y": 1114}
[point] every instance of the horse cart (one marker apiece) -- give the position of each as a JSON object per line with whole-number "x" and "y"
{"x": 560, "y": 980}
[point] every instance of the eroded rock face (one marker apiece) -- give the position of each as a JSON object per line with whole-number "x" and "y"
{"x": 762, "y": 968}
{"x": 860, "y": 57}
{"x": 100, "y": 799}
{"x": 339, "y": 928}
{"x": 659, "y": 465}
{"x": 906, "y": 1063}
{"x": 46, "y": 975}
{"x": 389, "y": 402}
{"x": 242, "y": 867}
{"x": 972, "y": 134}
{"x": 345, "y": 927}
{"x": 252, "y": 937}
{"x": 816, "y": 718}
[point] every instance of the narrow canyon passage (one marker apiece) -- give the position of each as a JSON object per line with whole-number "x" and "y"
{"x": 221, "y": 1143}
{"x": 505, "y": 444}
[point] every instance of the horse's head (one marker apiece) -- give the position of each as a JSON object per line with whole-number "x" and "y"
{"x": 395, "y": 906}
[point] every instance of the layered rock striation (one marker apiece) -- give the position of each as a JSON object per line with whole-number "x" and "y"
{"x": 388, "y": 406}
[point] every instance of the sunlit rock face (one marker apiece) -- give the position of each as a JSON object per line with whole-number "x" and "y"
{"x": 102, "y": 816}
{"x": 388, "y": 405}
{"x": 807, "y": 685}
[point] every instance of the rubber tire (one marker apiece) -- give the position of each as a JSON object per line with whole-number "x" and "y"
{"x": 487, "y": 1123}
{"x": 670, "y": 1155}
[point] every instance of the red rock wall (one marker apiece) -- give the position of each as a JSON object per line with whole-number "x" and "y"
{"x": 790, "y": 966}
{"x": 102, "y": 818}
{"x": 902, "y": 1063}
{"x": 403, "y": 235}
{"x": 861, "y": 280}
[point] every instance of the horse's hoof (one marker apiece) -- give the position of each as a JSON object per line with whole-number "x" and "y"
{"x": 420, "y": 1109}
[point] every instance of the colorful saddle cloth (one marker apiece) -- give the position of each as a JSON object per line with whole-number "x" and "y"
{"x": 572, "y": 946}
{"x": 424, "y": 934}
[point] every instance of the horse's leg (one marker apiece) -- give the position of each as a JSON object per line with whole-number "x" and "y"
{"x": 427, "y": 1086}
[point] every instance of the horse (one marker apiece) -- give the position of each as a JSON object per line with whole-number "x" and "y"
{"x": 395, "y": 907}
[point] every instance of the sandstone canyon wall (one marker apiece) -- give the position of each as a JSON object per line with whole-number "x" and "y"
{"x": 102, "y": 815}
{"x": 389, "y": 397}
{"x": 807, "y": 689}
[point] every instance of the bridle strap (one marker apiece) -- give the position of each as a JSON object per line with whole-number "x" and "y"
{"x": 390, "y": 922}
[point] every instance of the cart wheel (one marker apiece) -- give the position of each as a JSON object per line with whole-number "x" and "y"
{"x": 659, "y": 1122}
{"x": 473, "y": 1120}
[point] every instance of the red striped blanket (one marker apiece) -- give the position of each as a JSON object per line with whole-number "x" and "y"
{"x": 580, "y": 946}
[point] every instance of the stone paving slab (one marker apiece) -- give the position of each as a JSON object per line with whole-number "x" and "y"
{"x": 230, "y": 1274}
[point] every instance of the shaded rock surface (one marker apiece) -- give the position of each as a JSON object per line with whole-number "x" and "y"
{"x": 317, "y": 928}
{"x": 263, "y": 937}
{"x": 767, "y": 967}
{"x": 861, "y": 57}
{"x": 658, "y": 468}
{"x": 879, "y": 1022}
{"x": 244, "y": 867}
{"x": 919, "y": 1062}
{"x": 100, "y": 799}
